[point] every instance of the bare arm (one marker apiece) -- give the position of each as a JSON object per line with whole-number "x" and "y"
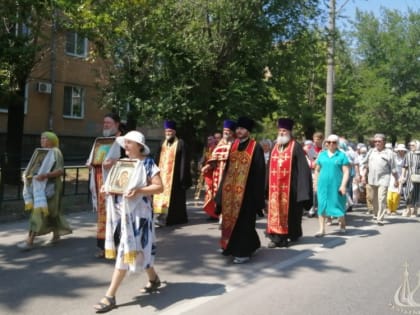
{"x": 52, "y": 174}
{"x": 344, "y": 180}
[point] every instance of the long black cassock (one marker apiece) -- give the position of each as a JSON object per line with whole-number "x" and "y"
{"x": 244, "y": 240}
{"x": 300, "y": 196}
{"x": 181, "y": 181}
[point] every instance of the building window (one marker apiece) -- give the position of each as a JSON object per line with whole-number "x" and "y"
{"x": 76, "y": 45}
{"x": 4, "y": 108}
{"x": 74, "y": 102}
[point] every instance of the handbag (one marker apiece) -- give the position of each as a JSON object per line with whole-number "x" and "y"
{"x": 415, "y": 178}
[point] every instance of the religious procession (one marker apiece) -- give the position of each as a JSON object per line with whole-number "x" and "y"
{"x": 283, "y": 179}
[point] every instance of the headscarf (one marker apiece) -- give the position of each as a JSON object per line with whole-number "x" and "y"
{"x": 52, "y": 137}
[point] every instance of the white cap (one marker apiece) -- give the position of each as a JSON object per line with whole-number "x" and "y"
{"x": 135, "y": 136}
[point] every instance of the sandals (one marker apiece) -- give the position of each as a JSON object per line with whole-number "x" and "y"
{"x": 152, "y": 286}
{"x": 109, "y": 305}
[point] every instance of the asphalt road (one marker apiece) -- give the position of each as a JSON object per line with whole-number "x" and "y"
{"x": 355, "y": 273}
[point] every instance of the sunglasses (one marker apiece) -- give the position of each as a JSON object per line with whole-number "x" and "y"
{"x": 331, "y": 142}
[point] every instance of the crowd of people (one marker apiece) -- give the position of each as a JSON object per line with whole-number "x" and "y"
{"x": 133, "y": 193}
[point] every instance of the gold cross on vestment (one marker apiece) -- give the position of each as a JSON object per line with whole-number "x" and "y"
{"x": 282, "y": 157}
{"x": 284, "y": 172}
{"x": 284, "y": 186}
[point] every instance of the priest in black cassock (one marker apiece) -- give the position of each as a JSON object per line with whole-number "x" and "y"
{"x": 290, "y": 187}
{"x": 241, "y": 195}
{"x": 173, "y": 159}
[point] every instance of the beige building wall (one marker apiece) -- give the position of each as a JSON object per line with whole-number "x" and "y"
{"x": 44, "y": 111}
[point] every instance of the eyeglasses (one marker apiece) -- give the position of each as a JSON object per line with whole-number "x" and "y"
{"x": 376, "y": 141}
{"x": 331, "y": 142}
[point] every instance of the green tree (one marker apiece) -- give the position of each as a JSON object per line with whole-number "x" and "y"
{"x": 388, "y": 73}
{"x": 20, "y": 42}
{"x": 198, "y": 62}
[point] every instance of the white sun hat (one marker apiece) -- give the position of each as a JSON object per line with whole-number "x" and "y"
{"x": 400, "y": 147}
{"x": 135, "y": 136}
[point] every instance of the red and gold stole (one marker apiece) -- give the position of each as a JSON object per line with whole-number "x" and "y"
{"x": 100, "y": 203}
{"x": 279, "y": 189}
{"x": 166, "y": 165}
{"x": 234, "y": 187}
{"x": 213, "y": 178}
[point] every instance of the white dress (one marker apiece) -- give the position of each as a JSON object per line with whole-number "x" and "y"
{"x": 137, "y": 242}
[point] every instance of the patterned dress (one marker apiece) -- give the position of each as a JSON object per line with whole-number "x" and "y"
{"x": 412, "y": 191}
{"x": 137, "y": 244}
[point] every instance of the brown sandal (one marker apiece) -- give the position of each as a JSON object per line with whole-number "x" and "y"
{"x": 152, "y": 286}
{"x": 106, "y": 304}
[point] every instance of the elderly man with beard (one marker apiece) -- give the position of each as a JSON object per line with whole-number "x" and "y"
{"x": 173, "y": 159}
{"x": 99, "y": 169}
{"x": 290, "y": 188}
{"x": 241, "y": 195}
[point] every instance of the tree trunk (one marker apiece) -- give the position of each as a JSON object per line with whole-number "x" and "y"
{"x": 12, "y": 159}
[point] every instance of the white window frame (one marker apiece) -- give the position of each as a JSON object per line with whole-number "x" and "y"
{"x": 75, "y": 38}
{"x": 77, "y": 92}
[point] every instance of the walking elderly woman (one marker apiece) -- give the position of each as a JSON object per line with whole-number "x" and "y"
{"x": 332, "y": 174}
{"x": 133, "y": 208}
{"x": 42, "y": 192}
{"x": 411, "y": 175}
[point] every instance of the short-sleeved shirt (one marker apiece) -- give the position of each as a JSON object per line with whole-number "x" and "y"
{"x": 381, "y": 165}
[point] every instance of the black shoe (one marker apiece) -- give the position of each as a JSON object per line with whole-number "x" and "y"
{"x": 283, "y": 243}
{"x": 349, "y": 209}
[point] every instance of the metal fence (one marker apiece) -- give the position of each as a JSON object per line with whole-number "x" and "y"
{"x": 75, "y": 182}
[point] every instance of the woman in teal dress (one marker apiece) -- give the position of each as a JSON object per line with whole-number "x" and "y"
{"x": 332, "y": 174}
{"x": 42, "y": 194}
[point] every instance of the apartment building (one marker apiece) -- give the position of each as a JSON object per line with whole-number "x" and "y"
{"x": 62, "y": 94}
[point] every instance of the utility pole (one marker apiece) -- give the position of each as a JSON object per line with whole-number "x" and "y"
{"x": 329, "y": 104}
{"x": 53, "y": 67}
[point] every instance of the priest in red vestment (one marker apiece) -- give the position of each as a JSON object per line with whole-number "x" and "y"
{"x": 290, "y": 187}
{"x": 241, "y": 195}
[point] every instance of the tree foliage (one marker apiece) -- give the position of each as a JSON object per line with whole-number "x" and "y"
{"x": 388, "y": 73}
{"x": 198, "y": 62}
{"x": 20, "y": 44}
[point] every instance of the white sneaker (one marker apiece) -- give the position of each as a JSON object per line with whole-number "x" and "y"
{"x": 24, "y": 246}
{"x": 240, "y": 260}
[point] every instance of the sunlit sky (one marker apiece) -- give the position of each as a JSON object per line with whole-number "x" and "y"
{"x": 348, "y": 7}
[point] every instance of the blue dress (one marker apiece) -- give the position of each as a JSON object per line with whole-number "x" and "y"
{"x": 330, "y": 202}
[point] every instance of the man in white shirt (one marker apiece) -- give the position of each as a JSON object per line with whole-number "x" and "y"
{"x": 380, "y": 165}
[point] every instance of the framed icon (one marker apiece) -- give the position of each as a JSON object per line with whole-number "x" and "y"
{"x": 35, "y": 162}
{"x": 120, "y": 176}
{"x": 101, "y": 148}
